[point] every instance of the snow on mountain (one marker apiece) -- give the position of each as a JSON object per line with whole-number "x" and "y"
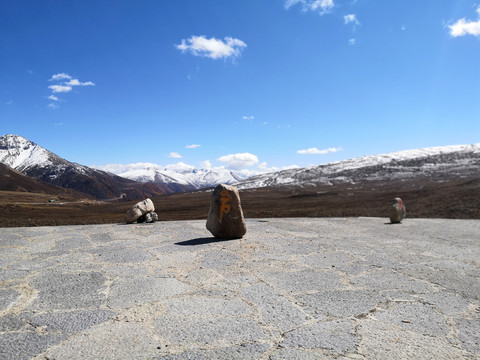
{"x": 20, "y": 153}
{"x": 180, "y": 173}
{"x": 435, "y": 163}
{"x": 24, "y": 155}
{"x": 33, "y": 160}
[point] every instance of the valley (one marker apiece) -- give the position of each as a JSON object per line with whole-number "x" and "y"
{"x": 37, "y": 187}
{"x": 458, "y": 199}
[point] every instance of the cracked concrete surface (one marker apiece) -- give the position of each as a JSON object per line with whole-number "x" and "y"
{"x": 330, "y": 288}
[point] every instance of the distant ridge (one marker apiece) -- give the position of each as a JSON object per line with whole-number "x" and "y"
{"x": 33, "y": 160}
{"x": 436, "y": 164}
{"x": 183, "y": 175}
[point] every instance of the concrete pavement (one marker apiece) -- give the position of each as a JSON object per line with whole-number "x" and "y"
{"x": 342, "y": 288}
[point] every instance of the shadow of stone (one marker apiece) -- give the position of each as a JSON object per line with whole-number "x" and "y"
{"x": 201, "y": 241}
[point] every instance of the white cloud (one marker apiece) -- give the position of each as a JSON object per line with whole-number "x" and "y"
{"x": 180, "y": 167}
{"x": 322, "y": 6}
{"x": 207, "y": 165}
{"x": 352, "y": 41}
{"x": 60, "y": 88}
{"x": 64, "y": 86}
{"x": 61, "y": 76}
{"x": 175, "y": 155}
{"x": 212, "y": 48}
{"x": 351, "y": 19}
{"x": 193, "y": 146}
{"x": 122, "y": 168}
{"x": 263, "y": 165}
{"x": 264, "y": 168}
{"x": 75, "y": 82}
{"x": 53, "y": 106}
{"x": 248, "y": 117}
{"x": 315, "y": 151}
{"x": 466, "y": 27}
{"x": 239, "y": 161}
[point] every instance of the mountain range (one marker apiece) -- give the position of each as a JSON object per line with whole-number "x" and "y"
{"x": 184, "y": 175}
{"x": 34, "y": 161}
{"x": 436, "y": 164}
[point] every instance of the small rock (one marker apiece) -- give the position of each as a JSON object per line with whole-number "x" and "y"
{"x": 397, "y": 211}
{"x": 148, "y": 218}
{"x": 139, "y": 209}
{"x": 225, "y": 216}
{"x": 154, "y": 217}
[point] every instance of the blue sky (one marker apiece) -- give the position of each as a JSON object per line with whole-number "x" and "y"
{"x": 252, "y": 84}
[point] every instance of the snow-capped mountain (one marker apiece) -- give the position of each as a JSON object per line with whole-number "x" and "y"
{"x": 21, "y": 154}
{"x": 33, "y": 160}
{"x": 435, "y": 163}
{"x": 179, "y": 174}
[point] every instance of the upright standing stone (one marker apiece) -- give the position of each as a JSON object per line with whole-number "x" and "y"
{"x": 139, "y": 209}
{"x": 397, "y": 211}
{"x": 225, "y": 216}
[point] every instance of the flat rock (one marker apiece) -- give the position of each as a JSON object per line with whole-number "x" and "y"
{"x": 316, "y": 288}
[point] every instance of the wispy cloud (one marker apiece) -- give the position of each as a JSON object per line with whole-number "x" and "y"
{"x": 315, "y": 151}
{"x": 175, "y": 155}
{"x": 264, "y": 168}
{"x": 61, "y": 76}
{"x": 212, "y": 48}
{"x": 60, "y": 88}
{"x": 193, "y": 146}
{"x": 320, "y": 6}
{"x": 239, "y": 161}
{"x": 248, "y": 117}
{"x": 352, "y": 41}
{"x": 121, "y": 168}
{"x": 9, "y": 102}
{"x": 64, "y": 84}
{"x": 75, "y": 82}
{"x": 179, "y": 167}
{"x": 466, "y": 27}
{"x": 207, "y": 165}
{"x": 351, "y": 19}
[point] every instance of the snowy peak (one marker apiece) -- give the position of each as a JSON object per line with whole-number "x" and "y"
{"x": 405, "y": 155}
{"x": 180, "y": 173}
{"x": 20, "y": 153}
{"x": 33, "y": 160}
{"x": 435, "y": 163}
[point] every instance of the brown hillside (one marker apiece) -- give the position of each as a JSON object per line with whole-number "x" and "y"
{"x": 423, "y": 199}
{"x": 14, "y": 181}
